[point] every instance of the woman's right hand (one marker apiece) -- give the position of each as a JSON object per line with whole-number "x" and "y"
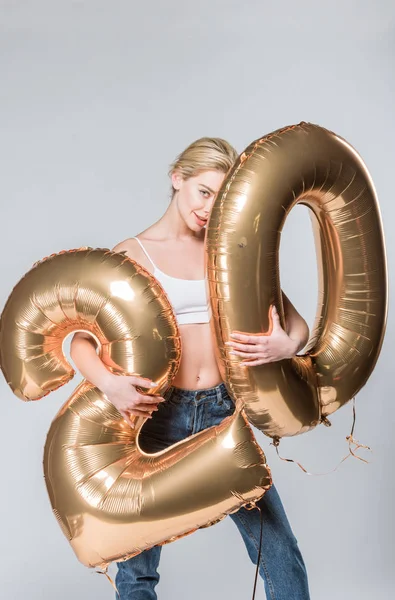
{"x": 122, "y": 393}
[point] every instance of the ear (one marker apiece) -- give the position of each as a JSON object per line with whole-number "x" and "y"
{"x": 176, "y": 180}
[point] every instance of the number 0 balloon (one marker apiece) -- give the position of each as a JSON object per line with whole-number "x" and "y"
{"x": 303, "y": 164}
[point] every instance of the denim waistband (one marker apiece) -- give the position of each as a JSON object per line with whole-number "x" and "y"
{"x": 216, "y": 392}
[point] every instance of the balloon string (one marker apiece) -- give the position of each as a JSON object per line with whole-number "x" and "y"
{"x": 110, "y": 580}
{"x": 351, "y": 451}
{"x": 259, "y": 553}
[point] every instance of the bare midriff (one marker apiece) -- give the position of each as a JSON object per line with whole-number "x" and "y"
{"x": 198, "y": 367}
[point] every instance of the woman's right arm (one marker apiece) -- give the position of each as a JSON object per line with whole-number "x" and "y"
{"x": 119, "y": 389}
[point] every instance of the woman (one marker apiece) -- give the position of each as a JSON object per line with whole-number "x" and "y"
{"x": 173, "y": 250}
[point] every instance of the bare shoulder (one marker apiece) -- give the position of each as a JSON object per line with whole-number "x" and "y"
{"x": 129, "y": 246}
{"x": 133, "y": 250}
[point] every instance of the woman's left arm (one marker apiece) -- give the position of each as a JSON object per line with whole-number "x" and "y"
{"x": 258, "y": 349}
{"x": 295, "y": 325}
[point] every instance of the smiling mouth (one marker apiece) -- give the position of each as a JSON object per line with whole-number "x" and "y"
{"x": 200, "y": 218}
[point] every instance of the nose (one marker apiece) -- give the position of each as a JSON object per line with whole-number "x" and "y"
{"x": 208, "y": 206}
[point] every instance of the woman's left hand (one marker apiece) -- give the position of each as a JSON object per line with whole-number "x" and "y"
{"x": 259, "y": 349}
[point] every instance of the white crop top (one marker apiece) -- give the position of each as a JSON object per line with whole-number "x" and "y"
{"x": 188, "y": 297}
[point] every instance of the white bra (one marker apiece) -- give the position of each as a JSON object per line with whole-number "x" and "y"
{"x": 187, "y": 296}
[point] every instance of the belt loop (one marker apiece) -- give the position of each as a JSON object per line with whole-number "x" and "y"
{"x": 219, "y": 393}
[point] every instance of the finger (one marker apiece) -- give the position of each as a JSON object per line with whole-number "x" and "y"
{"x": 145, "y": 407}
{"x": 245, "y": 347}
{"x": 259, "y": 361}
{"x": 246, "y": 338}
{"x": 140, "y": 413}
{"x": 150, "y": 399}
{"x": 254, "y": 363}
{"x": 251, "y": 355}
{"x": 141, "y": 405}
{"x": 276, "y": 318}
{"x": 125, "y": 416}
{"x": 143, "y": 382}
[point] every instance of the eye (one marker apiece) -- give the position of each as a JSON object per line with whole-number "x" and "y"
{"x": 205, "y": 193}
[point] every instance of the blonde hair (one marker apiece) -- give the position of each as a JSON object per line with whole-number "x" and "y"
{"x": 204, "y": 154}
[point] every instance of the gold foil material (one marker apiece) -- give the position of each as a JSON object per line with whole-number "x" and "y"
{"x": 301, "y": 164}
{"x": 111, "y": 499}
{"x": 97, "y": 291}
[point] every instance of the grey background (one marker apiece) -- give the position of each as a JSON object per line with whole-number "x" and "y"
{"x": 96, "y": 100}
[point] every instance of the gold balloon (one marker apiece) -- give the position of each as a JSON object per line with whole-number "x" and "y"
{"x": 301, "y": 164}
{"x": 104, "y": 293}
{"x": 111, "y": 499}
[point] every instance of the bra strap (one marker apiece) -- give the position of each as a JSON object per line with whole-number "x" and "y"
{"x": 145, "y": 252}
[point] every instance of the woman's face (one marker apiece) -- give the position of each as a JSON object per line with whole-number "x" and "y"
{"x": 195, "y": 196}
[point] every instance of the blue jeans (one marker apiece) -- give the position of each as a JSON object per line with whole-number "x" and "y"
{"x": 282, "y": 569}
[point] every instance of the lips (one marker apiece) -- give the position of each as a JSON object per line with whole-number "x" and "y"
{"x": 201, "y": 221}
